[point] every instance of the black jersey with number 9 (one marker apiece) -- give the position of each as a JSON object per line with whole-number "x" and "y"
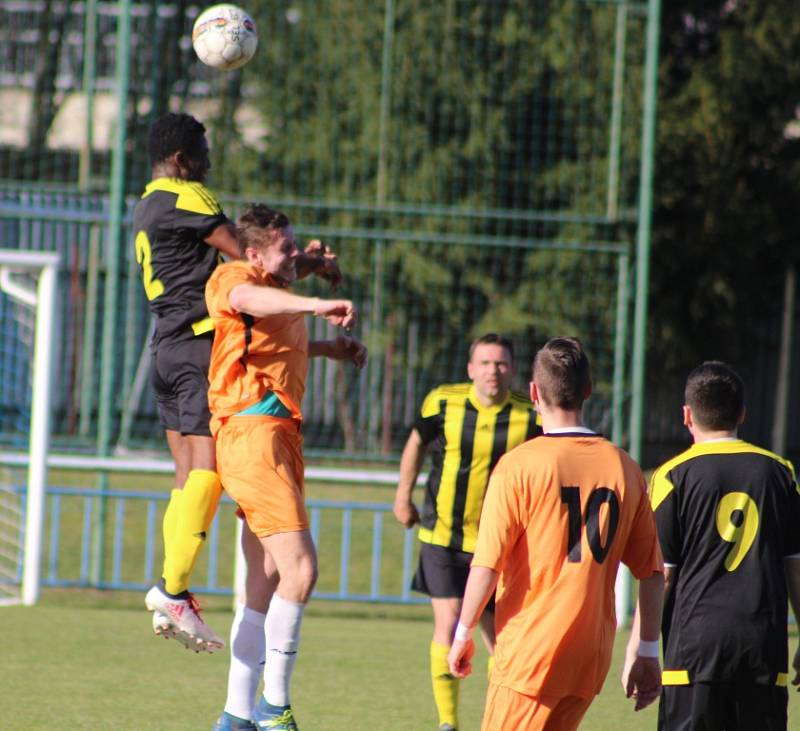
{"x": 728, "y": 514}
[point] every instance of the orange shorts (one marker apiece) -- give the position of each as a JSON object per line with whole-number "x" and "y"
{"x": 507, "y": 710}
{"x": 260, "y": 464}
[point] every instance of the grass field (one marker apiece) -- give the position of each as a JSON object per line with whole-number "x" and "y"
{"x": 88, "y": 659}
{"x": 83, "y": 660}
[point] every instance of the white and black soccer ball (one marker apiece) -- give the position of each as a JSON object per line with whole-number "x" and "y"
{"x": 224, "y": 36}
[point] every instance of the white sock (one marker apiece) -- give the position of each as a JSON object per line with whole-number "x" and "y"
{"x": 247, "y": 657}
{"x": 282, "y": 632}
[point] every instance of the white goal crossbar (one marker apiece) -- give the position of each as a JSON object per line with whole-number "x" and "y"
{"x": 42, "y": 299}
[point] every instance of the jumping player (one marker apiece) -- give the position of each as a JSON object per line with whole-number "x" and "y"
{"x": 257, "y": 374}
{"x": 181, "y": 231}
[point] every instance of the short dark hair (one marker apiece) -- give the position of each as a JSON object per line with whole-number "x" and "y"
{"x": 173, "y": 133}
{"x": 715, "y": 393}
{"x": 562, "y": 373}
{"x": 254, "y": 221}
{"x": 492, "y": 339}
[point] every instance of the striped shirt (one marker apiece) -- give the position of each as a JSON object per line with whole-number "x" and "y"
{"x": 466, "y": 440}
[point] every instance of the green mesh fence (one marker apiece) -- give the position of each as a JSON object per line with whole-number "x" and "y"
{"x": 474, "y": 164}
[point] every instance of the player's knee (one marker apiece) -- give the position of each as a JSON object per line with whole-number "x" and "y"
{"x": 307, "y": 578}
{"x": 298, "y": 584}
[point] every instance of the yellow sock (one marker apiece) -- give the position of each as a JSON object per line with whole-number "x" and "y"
{"x": 445, "y": 686}
{"x": 197, "y": 505}
{"x": 170, "y": 522}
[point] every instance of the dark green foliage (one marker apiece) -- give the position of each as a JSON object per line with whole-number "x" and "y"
{"x": 728, "y": 177}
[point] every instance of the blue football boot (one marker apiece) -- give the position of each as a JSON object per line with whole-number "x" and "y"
{"x": 272, "y": 718}
{"x": 227, "y": 722}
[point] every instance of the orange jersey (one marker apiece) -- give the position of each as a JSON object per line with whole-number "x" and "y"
{"x": 252, "y": 355}
{"x": 561, "y": 511}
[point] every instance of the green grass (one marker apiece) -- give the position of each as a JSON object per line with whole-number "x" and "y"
{"x": 73, "y": 663}
{"x": 88, "y": 659}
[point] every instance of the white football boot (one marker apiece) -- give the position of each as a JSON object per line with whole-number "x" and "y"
{"x": 180, "y": 619}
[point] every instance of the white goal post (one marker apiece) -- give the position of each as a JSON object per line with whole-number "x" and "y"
{"x": 41, "y": 298}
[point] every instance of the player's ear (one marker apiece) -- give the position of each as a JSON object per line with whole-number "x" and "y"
{"x": 688, "y": 421}
{"x": 534, "y": 392}
{"x": 742, "y": 416}
{"x": 588, "y": 391}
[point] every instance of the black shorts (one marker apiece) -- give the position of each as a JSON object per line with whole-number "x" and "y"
{"x": 180, "y": 380}
{"x": 442, "y": 573}
{"x": 731, "y": 706}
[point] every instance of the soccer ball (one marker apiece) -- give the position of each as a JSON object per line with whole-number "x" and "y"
{"x": 224, "y": 37}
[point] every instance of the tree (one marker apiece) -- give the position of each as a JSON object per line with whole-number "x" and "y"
{"x": 727, "y": 179}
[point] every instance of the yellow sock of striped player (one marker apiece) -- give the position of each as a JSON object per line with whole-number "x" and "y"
{"x": 170, "y": 522}
{"x": 197, "y": 505}
{"x": 445, "y": 686}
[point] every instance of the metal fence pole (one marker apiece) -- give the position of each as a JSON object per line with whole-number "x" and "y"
{"x": 376, "y": 345}
{"x": 644, "y": 228}
{"x": 89, "y": 74}
{"x": 110, "y": 299}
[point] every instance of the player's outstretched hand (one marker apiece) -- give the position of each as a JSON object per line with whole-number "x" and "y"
{"x": 796, "y": 666}
{"x": 322, "y": 261}
{"x": 337, "y": 312}
{"x": 644, "y": 681}
{"x": 406, "y": 512}
{"x": 460, "y": 657}
{"x": 347, "y": 348}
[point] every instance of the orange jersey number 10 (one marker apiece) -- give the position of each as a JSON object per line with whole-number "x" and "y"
{"x": 571, "y": 497}
{"x": 152, "y": 287}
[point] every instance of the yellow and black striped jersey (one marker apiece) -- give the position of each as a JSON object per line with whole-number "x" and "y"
{"x": 466, "y": 440}
{"x": 728, "y": 514}
{"x": 171, "y": 222}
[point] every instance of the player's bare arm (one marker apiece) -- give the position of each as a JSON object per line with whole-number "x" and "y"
{"x": 342, "y": 347}
{"x": 792, "y": 569}
{"x": 223, "y": 238}
{"x": 264, "y": 301}
{"x": 410, "y": 465}
{"x": 643, "y": 681}
{"x": 481, "y": 584}
{"x": 319, "y": 259}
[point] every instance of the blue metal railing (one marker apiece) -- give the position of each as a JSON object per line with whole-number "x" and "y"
{"x": 68, "y": 546}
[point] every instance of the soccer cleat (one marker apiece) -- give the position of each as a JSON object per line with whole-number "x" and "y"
{"x": 267, "y": 719}
{"x": 162, "y": 626}
{"x": 228, "y": 722}
{"x": 180, "y": 618}
{"x": 447, "y": 727}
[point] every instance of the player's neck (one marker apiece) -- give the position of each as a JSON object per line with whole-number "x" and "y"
{"x": 700, "y": 435}
{"x": 554, "y": 418}
{"x": 487, "y": 401}
{"x": 166, "y": 170}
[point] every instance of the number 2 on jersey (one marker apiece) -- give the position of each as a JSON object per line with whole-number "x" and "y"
{"x": 152, "y": 287}
{"x": 737, "y": 523}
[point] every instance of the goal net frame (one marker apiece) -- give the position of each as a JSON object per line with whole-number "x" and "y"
{"x": 42, "y": 299}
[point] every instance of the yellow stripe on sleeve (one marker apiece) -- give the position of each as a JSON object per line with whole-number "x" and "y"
{"x": 675, "y": 677}
{"x": 206, "y": 325}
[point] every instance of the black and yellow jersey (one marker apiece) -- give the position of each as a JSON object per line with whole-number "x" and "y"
{"x": 171, "y": 222}
{"x": 728, "y": 514}
{"x": 466, "y": 440}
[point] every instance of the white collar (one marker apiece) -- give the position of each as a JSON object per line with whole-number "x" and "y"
{"x": 570, "y": 430}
